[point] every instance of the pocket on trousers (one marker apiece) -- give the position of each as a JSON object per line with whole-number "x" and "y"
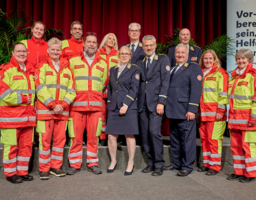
{"x": 99, "y": 127}
{"x": 218, "y": 130}
{"x": 9, "y": 136}
{"x": 40, "y": 127}
{"x": 250, "y": 136}
{"x": 71, "y": 131}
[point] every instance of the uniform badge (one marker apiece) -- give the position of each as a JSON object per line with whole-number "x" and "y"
{"x": 140, "y": 44}
{"x": 199, "y": 77}
{"x": 137, "y": 76}
{"x": 156, "y": 57}
{"x": 194, "y": 58}
{"x": 192, "y": 48}
{"x": 127, "y": 45}
{"x": 129, "y": 66}
{"x": 168, "y": 68}
{"x": 186, "y": 64}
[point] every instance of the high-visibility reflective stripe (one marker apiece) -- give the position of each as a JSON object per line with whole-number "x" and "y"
{"x": 40, "y": 87}
{"x": 41, "y": 160}
{"x": 248, "y": 169}
{"x": 215, "y": 163}
{"x": 79, "y": 104}
{"x": 49, "y": 112}
{"x": 221, "y": 106}
{"x": 95, "y": 103}
{"x": 57, "y": 149}
{"x": 206, "y": 153}
{"x": 44, "y": 152}
{"x": 17, "y": 119}
{"x": 104, "y": 129}
{"x": 22, "y": 167}
{"x": 9, "y": 161}
{"x": 48, "y": 101}
{"x": 205, "y": 161}
{"x": 247, "y": 160}
{"x": 238, "y": 121}
{"x": 253, "y": 116}
{"x": 20, "y": 158}
{"x": 93, "y": 78}
{"x": 130, "y": 97}
{"x": 75, "y": 161}
{"x": 235, "y": 96}
{"x": 56, "y": 86}
{"x": 208, "y": 114}
{"x": 209, "y": 90}
{"x": 10, "y": 170}
{"x": 71, "y": 90}
{"x": 25, "y": 91}
{"x": 56, "y": 157}
{"x": 75, "y": 154}
{"x": 103, "y": 123}
{"x": 92, "y": 160}
{"x": 19, "y": 98}
{"x": 223, "y": 94}
{"x": 238, "y": 157}
{"x": 31, "y": 118}
{"x": 239, "y": 166}
{"x": 215, "y": 155}
{"x": 254, "y": 100}
{"x": 5, "y": 93}
{"x": 67, "y": 100}
{"x": 163, "y": 96}
{"x": 91, "y": 154}
{"x": 250, "y": 97}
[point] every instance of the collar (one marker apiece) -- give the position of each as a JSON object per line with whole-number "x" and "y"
{"x": 77, "y": 41}
{"x": 54, "y": 63}
{"x": 111, "y": 53}
{"x": 151, "y": 58}
{"x": 38, "y": 41}
{"x": 89, "y": 58}
{"x": 182, "y": 63}
{"x": 16, "y": 64}
{"x": 135, "y": 44}
{"x": 209, "y": 71}
{"x": 247, "y": 69}
{"x": 63, "y": 63}
{"x": 97, "y": 57}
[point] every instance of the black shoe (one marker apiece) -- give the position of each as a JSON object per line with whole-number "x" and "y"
{"x": 57, "y": 172}
{"x": 103, "y": 142}
{"x": 234, "y": 177}
{"x": 128, "y": 173}
{"x": 169, "y": 167}
{"x": 94, "y": 169}
{"x": 111, "y": 170}
{"x": 27, "y": 177}
{"x": 182, "y": 172}
{"x": 157, "y": 172}
{"x": 246, "y": 179}
{"x": 14, "y": 179}
{"x": 148, "y": 169}
{"x": 44, "y": 175}
{"x": 211, "y": 172}
{"x": 202, "y": 169}
{"x": 72, "y": 171}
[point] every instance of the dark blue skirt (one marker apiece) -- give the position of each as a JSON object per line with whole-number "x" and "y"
{"x": 122, "y": 124}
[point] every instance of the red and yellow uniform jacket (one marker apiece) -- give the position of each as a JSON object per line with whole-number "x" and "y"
{"x": 53, "y": 88}
{"x": 72, "y": 47}
{"x": 37, "y": 50}
{"x": 111, "y": 60}
{"x": 242, "y": 97}
{"x": 91, "y": 81}
{"x": 15, "y": 86}
{"x": 214, "y": 96}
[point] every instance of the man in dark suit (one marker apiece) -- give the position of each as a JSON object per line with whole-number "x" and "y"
{"x": 155, "y": 75}
{"x": 135, "y": 45}
{"x": 195, "y": 53}
{"x": 184, "y": 94}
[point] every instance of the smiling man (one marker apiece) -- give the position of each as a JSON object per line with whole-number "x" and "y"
{"x": 155, "y": 75}
{"x": 195, "y": 53}
{"x": 184, "y": 94}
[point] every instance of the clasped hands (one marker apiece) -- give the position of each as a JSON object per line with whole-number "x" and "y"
{"x": 57, "y": 109}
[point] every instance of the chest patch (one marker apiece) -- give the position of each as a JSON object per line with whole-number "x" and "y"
{"x": 79, "y": 66}
{"x": 211, "y": 78}
{"x": 17, "y": 77}
{"x": 114, "y": 60}
{"x": 66, "y": 76}
{"x": 243, "y": 83}
{"x": 49, "y": 73}
{"x": 100, "y": 68}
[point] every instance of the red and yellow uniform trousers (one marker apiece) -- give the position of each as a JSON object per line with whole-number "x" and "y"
{"x": 72, "y": 47}
{"x": 86, "y": 110}
{"x": 111, "y": 60}
{"x": 17, "y": 118}
{"x": 213, "y": 101}
{"x": 53, "y": 88}
{"x": 242, "y": 112}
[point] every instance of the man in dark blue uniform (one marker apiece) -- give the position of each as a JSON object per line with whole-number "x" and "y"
{"x": 184, "y": 94}
{"x": 135, "y": 45}
{"x": 195, "y": 53}
{"x": 155, "y": 75}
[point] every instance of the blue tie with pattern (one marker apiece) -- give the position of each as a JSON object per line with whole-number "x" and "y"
{"x": 148, "y": 65}
{"x": 173, "y": 71}
{"x": 133, "y": 49}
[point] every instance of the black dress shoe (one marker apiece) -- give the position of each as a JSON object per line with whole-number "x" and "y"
{"x": 211, "y": 172}
{"x": 169, "y": 167}
{"x": 182, "y": 172}
{"x": 246, "y": 179}
{"x": 27, "y": 177}
{"x": 234, "y": 177}
{"x": 203, "y": 169}
{"x": 14, "y": 179}
{"x": 128, "y": 173}
{"x": 111, "y": 170}
{"x": 157, "y": 172}
{"x": 148, "y": 169}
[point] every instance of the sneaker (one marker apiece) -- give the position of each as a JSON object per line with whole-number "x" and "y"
{"x": 44, "y": 175}
{"x": 57, "y": 172}
{"x": 72, "y": 171}
{"x": 94, "y": 169}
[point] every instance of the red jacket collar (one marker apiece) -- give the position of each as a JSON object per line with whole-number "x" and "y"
{"x": 111, "y": 53}
{"x": 248, "y": 68}
{"x": 96, "y": 59}
{"x": 29, "y": 67}
{"x": 214, "y": 68}
{"x": 63, "y": 63}
{"x": 38, "y": 41}
{"x": 77, "y": 41}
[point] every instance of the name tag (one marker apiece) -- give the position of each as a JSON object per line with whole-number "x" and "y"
{"x": 211, "y": 78}
{"x": 49, "y": 73}
{"x": 66, "y": 76}
{"x": 17, "y": 77}
{"x": 114, "y": 60}
{"x": 243, "y": 83}
{"x": 79, "y": 66}
{"x": 100, "y": 68}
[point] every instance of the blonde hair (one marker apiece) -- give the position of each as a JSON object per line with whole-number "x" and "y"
{"x": 124, "y": 47}
{"x": 105, "y": 39}
{"x": 215, "y": 58}
{"x": 54, "y": 41}
{"x": 246, "y": 53}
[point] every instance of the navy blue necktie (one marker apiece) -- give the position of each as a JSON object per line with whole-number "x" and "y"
{"x": 133, "y": 49}
{"x": 173, "y": 71}
{"x": 148, "y": 65}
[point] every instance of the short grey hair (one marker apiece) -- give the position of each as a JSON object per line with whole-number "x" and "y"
{"x": 134, "y": 24}
{"x": 54, "y": 41}
{"x": 182, "y": 45}
{"x": 246, "y": 53}
{"x": 148, "y": 37}
{"x": 76, "y": 22}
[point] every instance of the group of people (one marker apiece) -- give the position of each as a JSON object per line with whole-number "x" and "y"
{"x": 74, "y": 85}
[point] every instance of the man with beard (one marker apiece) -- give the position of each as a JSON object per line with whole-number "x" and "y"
{"x": 155, "y": 75}
{"x": 90, "y": 72}
{"x": 75, "y": 44}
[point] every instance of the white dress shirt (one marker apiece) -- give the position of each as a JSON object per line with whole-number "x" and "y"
{"x": 240, "y": 72}
{"x": 177, "y": 67}
{"x": 135, "y": 45}
{"x": 89, "y": 60}
{"x": 24, "y": 68}
{"x": 120, "y": 68}
{"x": 56, "y": 65}
{"x": 206, "y": 71}
{"x": 151, "y": 59}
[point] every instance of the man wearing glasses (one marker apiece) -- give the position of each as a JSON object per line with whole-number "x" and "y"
{"x": 135, "y": 45}
{"x": 75, "y": 44}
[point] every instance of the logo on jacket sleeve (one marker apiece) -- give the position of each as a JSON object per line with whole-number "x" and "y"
{"x": 199, "y": 77}
{"x": 168, "y": 68}
{"x": 137, "y": 76}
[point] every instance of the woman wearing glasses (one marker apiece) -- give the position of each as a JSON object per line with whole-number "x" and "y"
{"x": 122, "y": 107}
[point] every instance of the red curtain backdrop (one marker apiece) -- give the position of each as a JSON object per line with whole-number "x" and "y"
{"x": 206, "y": 19}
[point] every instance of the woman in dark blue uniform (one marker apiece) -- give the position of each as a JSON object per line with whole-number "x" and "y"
{"x": 122, "y": 107}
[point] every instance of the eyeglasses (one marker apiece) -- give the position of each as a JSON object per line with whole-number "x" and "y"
{"x": 20, "y": 52}
{"x": 134, "y": 31}
{"x": 150, "y": 45}
{"x": 77, "y": 29}
{"x": 125, "y": 54}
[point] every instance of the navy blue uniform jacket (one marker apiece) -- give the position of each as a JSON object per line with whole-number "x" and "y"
{"x": 138, "y": 55}
{"x": 124, "y": 89}
{"x": 184, "y": 91}
{"x": 154, "y": 85}
{"x": 195, "y": 54}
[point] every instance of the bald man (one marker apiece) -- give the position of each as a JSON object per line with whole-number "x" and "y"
{"x": 195, "y": 53}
